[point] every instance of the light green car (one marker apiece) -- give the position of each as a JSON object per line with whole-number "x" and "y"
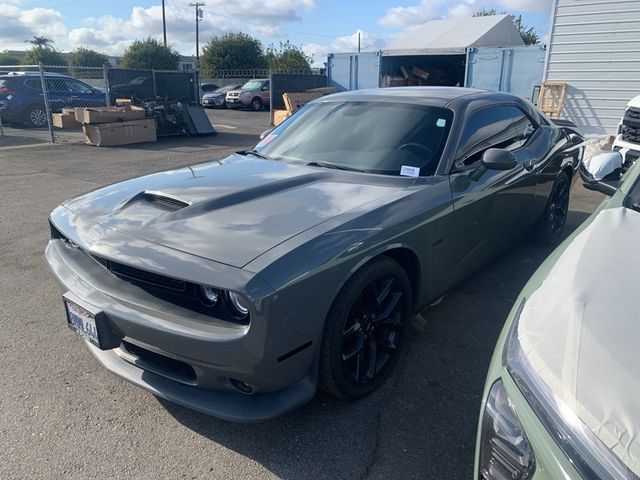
{"x": 562, "y": 396}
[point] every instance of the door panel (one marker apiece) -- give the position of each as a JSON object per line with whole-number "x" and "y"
{"x": 492, "y": 212}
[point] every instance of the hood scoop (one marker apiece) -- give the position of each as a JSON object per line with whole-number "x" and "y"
{"x": 164, "y": 201}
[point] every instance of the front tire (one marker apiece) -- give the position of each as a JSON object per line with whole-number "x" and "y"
{"x": 365, "y": 329}
{"x": 256, "y": 104}
{"x": 554, "y": 217}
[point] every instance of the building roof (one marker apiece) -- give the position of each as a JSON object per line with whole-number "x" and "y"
{"x": 455, "y": 35}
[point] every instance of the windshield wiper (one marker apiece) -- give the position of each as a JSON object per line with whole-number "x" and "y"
{"x": 255, "y": 153}
{"x": 334, "y": 166}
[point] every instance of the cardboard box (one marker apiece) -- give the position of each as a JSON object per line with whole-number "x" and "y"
{"x": 120, "y": 133}
{"x": 65, "y": 120}
{"x": 109, "y": 114}
{"x": 279, "y": 116}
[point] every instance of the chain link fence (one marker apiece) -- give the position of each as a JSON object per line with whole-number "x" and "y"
{"x": 250, "y": 73}
{"x": 35, "y": 98}
{"x": 32, "y": 95}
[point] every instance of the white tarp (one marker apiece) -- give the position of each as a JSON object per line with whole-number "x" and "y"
{"x": 580, "y": 330}
{"x": 455, "y": 35}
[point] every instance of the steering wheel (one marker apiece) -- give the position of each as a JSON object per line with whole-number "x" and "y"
{"x": 413, "y": 146}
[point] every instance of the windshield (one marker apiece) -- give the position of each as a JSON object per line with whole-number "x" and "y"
{"x": 375, "y": 137}
{"x": 226, "y": 88}
{"x": 252, "y": 85}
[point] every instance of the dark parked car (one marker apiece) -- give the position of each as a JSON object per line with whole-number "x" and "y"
{"x": 208, "y": 87}
{"x": 236, "y": 287}
{"x": 217, "y": 98}
{"x": 22, "y": 100}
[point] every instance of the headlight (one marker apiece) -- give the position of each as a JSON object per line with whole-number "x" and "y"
{"x": 505, "y": 452}
{"x": 238, "y": 305}
{"x": 208, "y": 295}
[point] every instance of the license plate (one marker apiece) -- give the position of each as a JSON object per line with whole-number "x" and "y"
{"x": 82, "y": 321}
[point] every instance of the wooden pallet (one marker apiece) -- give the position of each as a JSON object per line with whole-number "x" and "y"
{"x": 551, "y": 97}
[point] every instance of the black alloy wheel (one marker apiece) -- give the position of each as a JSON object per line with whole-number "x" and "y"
{"x": 366, "y": 329}
{"x": 555, "y": 214}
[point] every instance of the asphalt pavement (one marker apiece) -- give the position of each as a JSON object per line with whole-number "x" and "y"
{"x": 62, "y": 416}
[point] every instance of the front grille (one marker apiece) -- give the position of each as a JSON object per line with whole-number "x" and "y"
{"x": 630, "y": 129}
{"x": 178, "y": 292}
{"x": 136, "y": 275}
{"x": 160, "y": 364}
{"x": 630, "y": 134}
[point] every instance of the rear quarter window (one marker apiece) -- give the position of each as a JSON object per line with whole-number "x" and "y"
{"x": 33, "y": 83}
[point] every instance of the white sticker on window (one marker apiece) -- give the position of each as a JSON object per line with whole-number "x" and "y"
{"x": 406, "y": 171}
{"x": 267, "y": 140}
{"x": 441, "y": 122}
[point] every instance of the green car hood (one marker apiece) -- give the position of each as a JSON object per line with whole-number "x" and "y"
{"x": 580, "y": 330}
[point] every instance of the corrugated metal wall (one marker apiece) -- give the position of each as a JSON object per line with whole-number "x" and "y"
{"x": 595, "y": 47}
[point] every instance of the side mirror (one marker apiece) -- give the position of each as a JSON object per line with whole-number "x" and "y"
{"x": 602, "y": 173}
{"x": 265, "y": 133}
{"x": 494, "y": 159}
{"x": 264, "y": 89}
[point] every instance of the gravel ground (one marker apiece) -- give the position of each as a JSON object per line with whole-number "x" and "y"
{"x": 63, "y": 416}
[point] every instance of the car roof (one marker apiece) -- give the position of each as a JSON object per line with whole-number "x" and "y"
{"x": 33, "y": 74}
{"x": 435, "y": 96}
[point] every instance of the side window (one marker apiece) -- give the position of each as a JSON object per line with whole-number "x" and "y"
{"x": 55, "y": 85}
{"x": 33, "y": 83}
{"x": 522, "y": 124}
{"x": 78, "y": 87}
{"x": 490, "y": 127}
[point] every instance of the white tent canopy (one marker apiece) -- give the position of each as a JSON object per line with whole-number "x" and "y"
{"x": 455, "y": 35}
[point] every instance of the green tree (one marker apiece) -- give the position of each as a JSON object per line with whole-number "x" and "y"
{"x": 528, "y": 34}
{"x": 7, "y": 59}
{"x": 231, "y": 51}
{"x": 85, "y": 57}
{"x": 150, "y": 54}
{"x": 44, "y": 55}
{"x": 287, "y": 57}
{"x": 43, "y": 42}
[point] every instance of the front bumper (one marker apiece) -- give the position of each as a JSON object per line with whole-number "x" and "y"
{"x": 215, "y": 353}
{"x": 213, "y": 102}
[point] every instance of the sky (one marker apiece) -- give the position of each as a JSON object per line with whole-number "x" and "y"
{"x": 317, "y": 26}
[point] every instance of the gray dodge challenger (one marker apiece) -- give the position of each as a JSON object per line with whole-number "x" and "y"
{"x": 238, "y": 286}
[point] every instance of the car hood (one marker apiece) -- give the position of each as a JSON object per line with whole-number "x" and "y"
{"x": 580, "y": 330}
{"x": 213, "y": 95}
{"x": 230, "y": 211}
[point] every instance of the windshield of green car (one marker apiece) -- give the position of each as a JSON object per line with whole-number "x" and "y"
{"x": 375, "y": 137}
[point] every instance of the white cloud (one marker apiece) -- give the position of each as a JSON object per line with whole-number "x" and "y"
{"x": 112, "y": 35}
{"x": 18, "y": 25}
{"x": 349, "y": 43}
{"x": 425, "y": 10}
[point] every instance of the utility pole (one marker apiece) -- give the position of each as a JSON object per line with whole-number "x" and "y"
{"x": 198, "y": 19}
{"x": 358, "y": 41}
{"x": 164, "y": 25}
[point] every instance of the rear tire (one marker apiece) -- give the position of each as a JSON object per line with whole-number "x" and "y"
{"x": 365, "y": 330}
{"x": 551, "y": 224}
{"x": 36, "y": 116}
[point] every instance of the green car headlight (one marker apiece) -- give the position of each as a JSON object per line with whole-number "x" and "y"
{"x": 505, "y": 451}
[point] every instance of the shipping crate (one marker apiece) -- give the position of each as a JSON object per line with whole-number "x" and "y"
{"x": 120, "y": 133}
{"x": 109, "y": 114}
{"x": 65, "y": 120}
